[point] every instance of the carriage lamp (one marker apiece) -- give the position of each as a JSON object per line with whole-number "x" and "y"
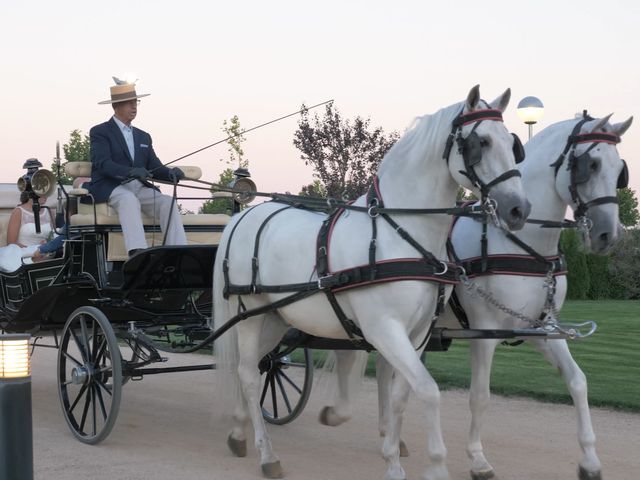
{"x": 16, "y": 437}
{"x": 530, "y": 110}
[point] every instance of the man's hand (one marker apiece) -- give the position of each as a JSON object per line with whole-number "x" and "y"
{"x": 140, "y": 173}
{"x": 175, "y": 175}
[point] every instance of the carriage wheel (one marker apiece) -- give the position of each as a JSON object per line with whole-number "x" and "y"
{"x": 287, "y": 378}
{"x": 89, "y": 375}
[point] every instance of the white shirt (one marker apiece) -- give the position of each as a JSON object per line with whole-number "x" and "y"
{"x": 127, "y": 131}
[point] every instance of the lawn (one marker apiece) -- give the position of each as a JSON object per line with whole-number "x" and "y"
{"x": 610, "y": 358}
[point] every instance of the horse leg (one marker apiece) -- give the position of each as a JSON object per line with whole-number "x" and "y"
{"x": 558, "y": 354}
{"x": 479, "y": 395}
{"x": 348, "y": 366}
{"x": 393, "y": 343}
{"x": 249, "y": 349}
{"x": 384, "y": 376}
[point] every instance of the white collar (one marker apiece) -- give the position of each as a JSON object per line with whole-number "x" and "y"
{"x": 122, "y": 125}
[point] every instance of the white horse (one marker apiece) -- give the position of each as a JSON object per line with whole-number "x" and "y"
{"x": 272, "y": 245}
{"x": 594, "y": 169}
{"x": 585, "y": 176}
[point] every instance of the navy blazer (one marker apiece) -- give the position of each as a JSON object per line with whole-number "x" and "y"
{"x": 111, "y": 161}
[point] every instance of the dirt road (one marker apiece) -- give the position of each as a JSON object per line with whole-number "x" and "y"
{"x": 168, "y": 428}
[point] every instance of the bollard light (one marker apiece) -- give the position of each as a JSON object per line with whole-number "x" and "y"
{"x": 530, "y": 110}
{"x": 16, "y": 437}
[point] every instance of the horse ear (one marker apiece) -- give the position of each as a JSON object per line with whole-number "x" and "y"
{"x": 502, "y": 101}
{"x": 601, "y": 123}
{"x": 473, "y": 98}
{"x": 620, "y": 128}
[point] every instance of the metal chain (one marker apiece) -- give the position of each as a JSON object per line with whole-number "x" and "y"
{"x": 488, "y": 296}
{"x": 549, "y": 322}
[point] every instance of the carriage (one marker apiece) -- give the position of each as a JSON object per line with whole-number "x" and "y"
{"x": 112, "y": 317}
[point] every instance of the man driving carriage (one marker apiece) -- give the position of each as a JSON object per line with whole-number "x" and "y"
{"x": 123, "y": 159}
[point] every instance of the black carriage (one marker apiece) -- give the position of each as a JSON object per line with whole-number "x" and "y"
{"x": 112, "y": 317}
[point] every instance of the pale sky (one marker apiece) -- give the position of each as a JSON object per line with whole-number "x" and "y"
{"x": 205, "y": 61}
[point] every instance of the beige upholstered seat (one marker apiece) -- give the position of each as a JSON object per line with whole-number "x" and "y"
{"x": 106, "y": 215}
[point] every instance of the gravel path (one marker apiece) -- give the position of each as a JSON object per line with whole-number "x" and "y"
{"x": 169, "y": 428}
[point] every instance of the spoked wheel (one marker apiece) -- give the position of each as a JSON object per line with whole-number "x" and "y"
{"x": 89, "y": 375}
{"x": 287, "y": 378}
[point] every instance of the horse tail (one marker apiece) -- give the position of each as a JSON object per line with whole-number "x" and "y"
{"x": 225, "y": 348}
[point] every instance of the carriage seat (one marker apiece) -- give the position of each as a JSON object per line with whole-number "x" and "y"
{"x": 105, "y": 214}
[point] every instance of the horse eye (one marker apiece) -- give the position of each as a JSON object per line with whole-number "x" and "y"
{"x": 593, "y": 166}
{"x": 484, "y": 142}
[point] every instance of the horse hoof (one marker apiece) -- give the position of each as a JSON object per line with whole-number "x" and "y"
{"x": 237, "y": 447}
{"x": 584, "y": 474}
{"x": 482, "y": 475}
{"x": 272, "y": 470}
{"x": 404, "y": 451}
{"x": 328, "y": 417}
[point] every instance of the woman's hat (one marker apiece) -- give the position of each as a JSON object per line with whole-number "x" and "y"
{"x": 123, "y": 92}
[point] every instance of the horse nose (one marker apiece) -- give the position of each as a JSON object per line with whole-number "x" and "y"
{"x": 605, "y": 241}
{"x": 518, "y": 215}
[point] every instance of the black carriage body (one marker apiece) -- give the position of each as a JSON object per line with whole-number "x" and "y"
{"x": 158, "y": 286}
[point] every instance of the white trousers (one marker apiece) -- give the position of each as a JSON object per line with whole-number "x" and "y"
{"x": 130, "y": 199}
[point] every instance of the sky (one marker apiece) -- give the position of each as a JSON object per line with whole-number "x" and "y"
{"x": 206, "y": 61}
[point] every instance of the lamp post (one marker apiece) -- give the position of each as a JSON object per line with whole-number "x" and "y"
{"x": 16, "y": 437}
{"x": 530, "y": 110}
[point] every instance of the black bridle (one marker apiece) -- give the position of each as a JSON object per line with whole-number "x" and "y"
{"x": 578, "y": 165}
{"x": 470, "y": 147}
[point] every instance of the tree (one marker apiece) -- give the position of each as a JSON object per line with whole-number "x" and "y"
{"x": 220, "y": 204}
{"x": 344, "y": 154}
{"x": 315, "y": 189}
{"x": 624, "y": 267}
{"x": 628, "y": 207}
{"x": 236, "y": 154}
{"x": 77, "y": 150}
{"x": 578, "y": 277}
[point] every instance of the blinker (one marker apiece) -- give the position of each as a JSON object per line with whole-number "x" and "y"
{"x": 471, "y": 150}
{"x": 518, "y": 149}
{"x": 623, "y": 178}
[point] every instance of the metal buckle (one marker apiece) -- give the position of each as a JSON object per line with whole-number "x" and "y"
{"x": 320, "y": 279}
{"x": 445, "y": 268}
{"x": 585, "y": 224}
{"x": 491, "y": 209}
{"x": 372, "y": 206}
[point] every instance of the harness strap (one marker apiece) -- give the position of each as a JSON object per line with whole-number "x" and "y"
{"x": 515, "y": 265}
{"x": 256, "y": 247}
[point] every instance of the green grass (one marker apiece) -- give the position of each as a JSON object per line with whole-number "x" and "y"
{"x": 610, "y": 359}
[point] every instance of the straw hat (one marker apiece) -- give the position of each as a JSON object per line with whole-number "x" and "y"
{"x": 122, "y": 93}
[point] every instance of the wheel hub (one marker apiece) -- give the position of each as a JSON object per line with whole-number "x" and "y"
{"x": 79, "y": 375}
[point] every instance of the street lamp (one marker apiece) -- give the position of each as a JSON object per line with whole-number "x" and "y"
{"x": 530, "y": 110}
{"x": 16, "y": 428}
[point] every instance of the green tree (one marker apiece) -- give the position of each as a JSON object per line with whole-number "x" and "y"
{"x": 599, "y": 281}
{"x": 624, "y": 267}
{"x": 76, "y": 150}
{"x": 224, "y": 204}
{"x": 628, "y": 207}
{"x": 315, "y": 189}
{"x": 578, "y": 277}
{"x": 344, "y": 154}
{"x": 221, "y": 204}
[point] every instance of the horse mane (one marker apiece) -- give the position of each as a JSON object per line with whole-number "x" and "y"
{"x": 425, "y": 136}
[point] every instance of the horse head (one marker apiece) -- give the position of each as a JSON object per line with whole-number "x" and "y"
{"x": 592, "y": 173}
{"x": 486, "y": 155}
